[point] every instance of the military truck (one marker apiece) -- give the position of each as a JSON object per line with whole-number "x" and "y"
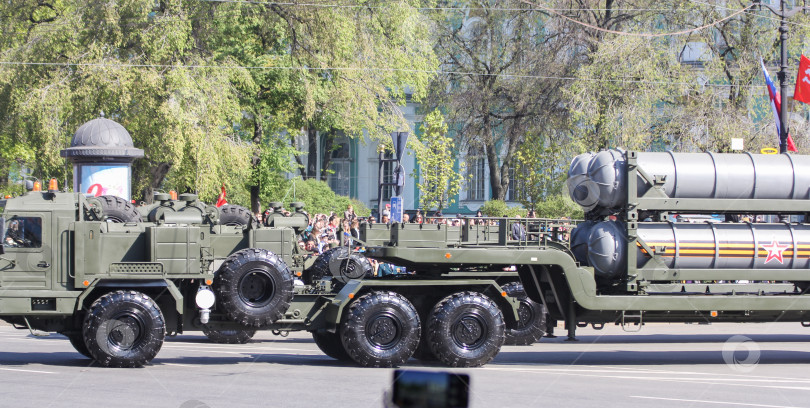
{"x": 116, "y": 280}
{"x": 629, "y": 263}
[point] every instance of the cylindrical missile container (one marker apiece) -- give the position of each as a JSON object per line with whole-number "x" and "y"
{"x": 579, "y": 241}
{"x": 582, "y": 191}
{"x": 702, "y": 246}
{"x": 693, "y": 175}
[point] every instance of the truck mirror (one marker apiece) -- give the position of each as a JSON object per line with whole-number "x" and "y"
{"x": 2, "y": 235}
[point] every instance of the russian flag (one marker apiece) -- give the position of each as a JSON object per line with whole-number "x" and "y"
{"x": 776, "y": 104}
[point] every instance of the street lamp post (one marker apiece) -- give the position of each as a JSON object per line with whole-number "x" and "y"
{"x": 783, "y": 15}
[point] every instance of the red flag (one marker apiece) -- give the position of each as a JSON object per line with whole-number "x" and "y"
{"x": 776, "y": 104}
{"x": 802, "y": 91}
{"x": 221, "y": 199}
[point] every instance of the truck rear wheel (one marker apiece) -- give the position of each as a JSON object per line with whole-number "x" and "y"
{"x": 124, "y": 329}
{"x": 254, "y": 287}
{"x": 381, "y": 329}
{"x": 331, "y": 345}
{"x": 465, "y": 329}
{"x": 532, "y": 324}
{"x": 236, "y": 336}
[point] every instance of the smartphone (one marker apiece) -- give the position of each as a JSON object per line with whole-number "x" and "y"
{"x": 430, "y": 389}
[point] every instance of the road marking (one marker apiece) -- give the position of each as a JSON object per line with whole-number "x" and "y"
{"x": 28, "y": 371}
{"x": 712, "y": 402}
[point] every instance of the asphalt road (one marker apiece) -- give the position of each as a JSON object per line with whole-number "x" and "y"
{"x": 662, "y": 366}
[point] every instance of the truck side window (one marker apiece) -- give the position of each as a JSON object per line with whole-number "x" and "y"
{"x": 23, "y": 232}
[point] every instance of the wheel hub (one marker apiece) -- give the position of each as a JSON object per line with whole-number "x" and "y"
{"x": 384, "y": 330}
{"x": 125, "y": 332}
{"x": 525, "y": 313}
{"x": 469, "y": 331}
{"x": 257, "y": 288}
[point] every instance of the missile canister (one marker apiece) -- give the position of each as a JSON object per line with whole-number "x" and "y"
{"x": 694, "y": 175}
{"x": 702, "y": 246}
{"x": 579, "y": 241}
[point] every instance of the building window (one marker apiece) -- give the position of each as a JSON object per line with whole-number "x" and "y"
{"x": 516, "y": 190}
{"x": 475, "y": 174}
{"x": 388, "y": 176}
{"x": 341, "y": 168}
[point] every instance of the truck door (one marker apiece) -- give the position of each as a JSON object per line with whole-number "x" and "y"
{"x": 26, "y": 263}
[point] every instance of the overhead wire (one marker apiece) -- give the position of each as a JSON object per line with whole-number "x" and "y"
{"x": 369, "y": 69}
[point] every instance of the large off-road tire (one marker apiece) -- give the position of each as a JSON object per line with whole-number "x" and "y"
{"x": 236, "y": 215}
{"x": 236, "y": 336}
{"x": 532, "y": 324}
{"x": 254, "y": 287}
{"x": 342, "y": 264}
{"x": 77, "y": 341}
{"x": 116, "y": 209}
{"x": 465, "y": 329}
{"x": 124, "y": 329}
{"x": 331, "y": 345}
{"x": 381, "y": 329}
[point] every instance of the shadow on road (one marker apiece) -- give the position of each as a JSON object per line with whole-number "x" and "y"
{"x": 625, "y": 357}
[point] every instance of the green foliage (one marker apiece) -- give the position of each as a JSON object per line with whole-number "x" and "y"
{"x": 499, "y": 208}
{"x": 558, "y": 206}
{"x": 316, "y": 194}
{"x": 438, "y": 181}
{"x": 199, "y": 85}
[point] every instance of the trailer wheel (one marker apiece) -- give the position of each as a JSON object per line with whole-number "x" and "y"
{"x": 124, "y": 329}
{"x": 236, "y": 215}
{"x": 254, "y": 287}
{"x": 331, "y": 345}
{"x": 116, "y": 209}
{"x": 532, "y": 324}
{"x": 465, "y": 329}
{"x": 235, "y": 336}
{"x": 381, "y": 329}
{"x": 77, "y": 341}
{"x": 342, "y": 264}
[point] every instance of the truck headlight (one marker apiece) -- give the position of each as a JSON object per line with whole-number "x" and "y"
{"x": 205, "y": 298}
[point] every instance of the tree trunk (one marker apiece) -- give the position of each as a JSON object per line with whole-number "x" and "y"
{"x": 494, "y": 172}
{"x": 258, "y": 133}
{"x": 326, "y": 159}
{"x": 157, "y": 174}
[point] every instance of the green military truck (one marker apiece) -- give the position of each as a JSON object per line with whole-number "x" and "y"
{"x": 116, "y": 280}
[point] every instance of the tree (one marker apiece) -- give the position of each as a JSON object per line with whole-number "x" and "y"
{"x": 136, "y": 61}
{"x": 497, "y": 55}
{"x": 438, "y": 181}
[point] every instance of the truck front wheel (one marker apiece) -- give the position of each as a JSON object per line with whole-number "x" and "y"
{"x": 381, "y": 329}
{"x": 124, "y": 329}
{"x": 465, "y": 329}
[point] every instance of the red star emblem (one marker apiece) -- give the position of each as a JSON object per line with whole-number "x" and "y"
{"x": 775, "y": 251}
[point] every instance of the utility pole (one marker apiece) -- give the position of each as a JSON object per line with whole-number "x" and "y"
{"x": 783, "y": 15}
